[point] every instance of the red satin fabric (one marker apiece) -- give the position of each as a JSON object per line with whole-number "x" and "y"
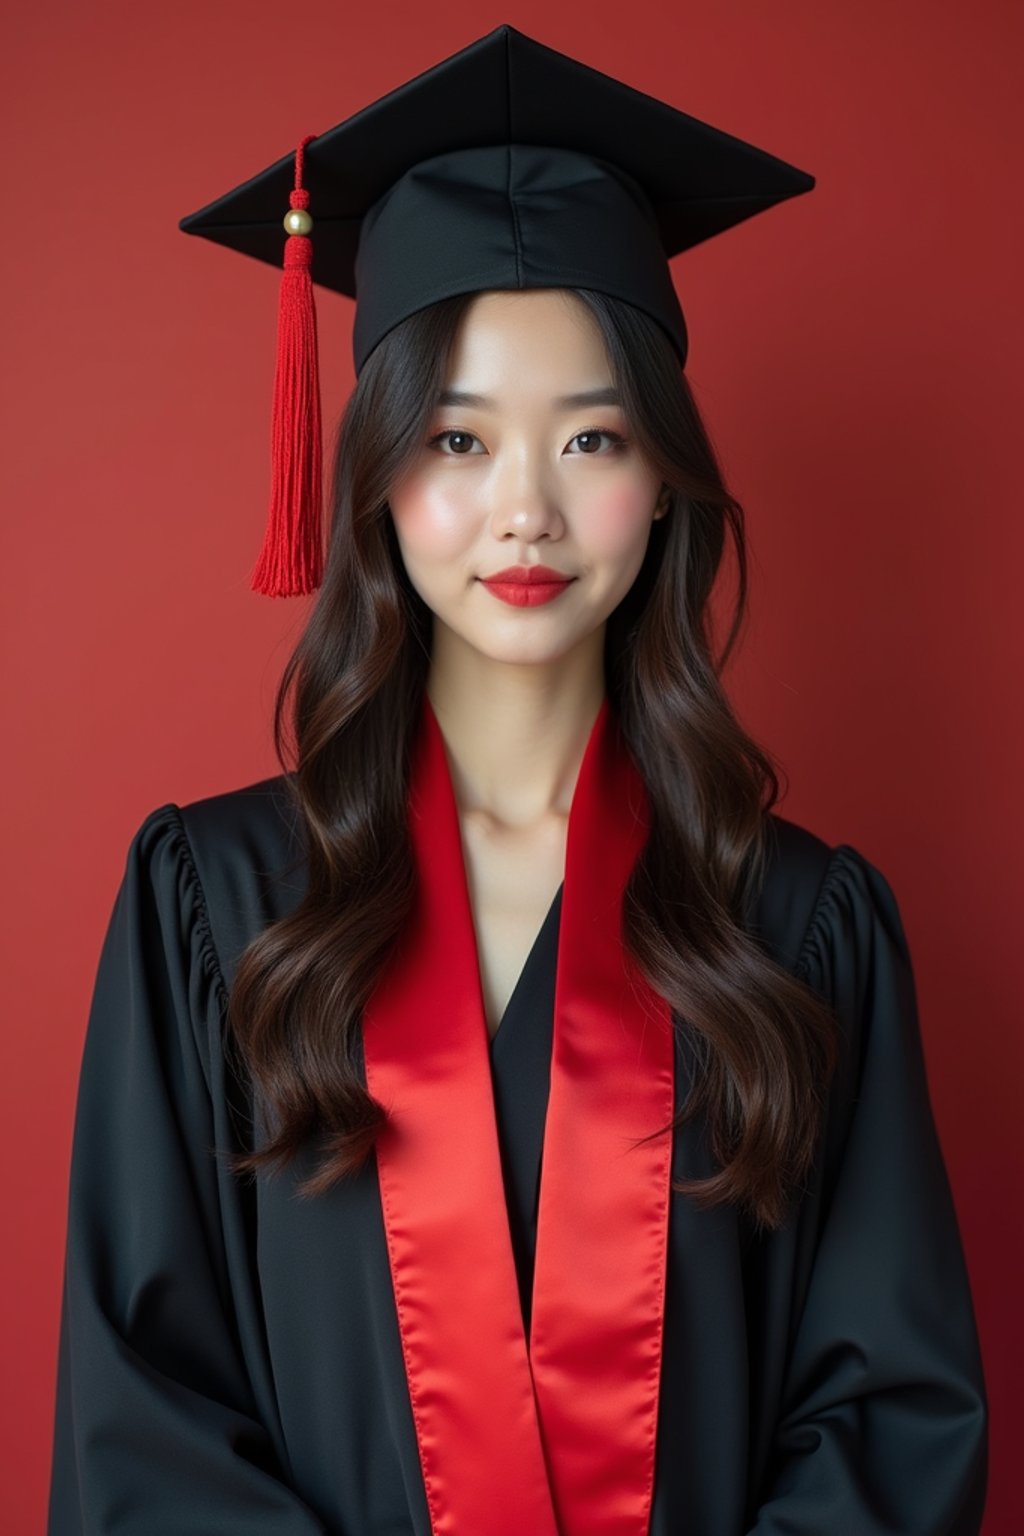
{"x": 555, "y": 1437}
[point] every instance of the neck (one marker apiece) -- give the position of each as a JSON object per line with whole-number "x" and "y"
{"x": 514, "y": 733}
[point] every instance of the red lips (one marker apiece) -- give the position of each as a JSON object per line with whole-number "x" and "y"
{"x": 527, "y": 586}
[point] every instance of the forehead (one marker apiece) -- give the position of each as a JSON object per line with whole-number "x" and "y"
{"x": 516, "y": 340}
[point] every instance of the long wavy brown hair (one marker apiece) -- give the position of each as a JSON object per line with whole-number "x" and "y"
{"x": 346, "y": 710}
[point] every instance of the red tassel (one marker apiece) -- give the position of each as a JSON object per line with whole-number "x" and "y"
{"x": 291, "y": 560}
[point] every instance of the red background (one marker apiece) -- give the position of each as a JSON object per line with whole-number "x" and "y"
{"x": 857, "y": 354}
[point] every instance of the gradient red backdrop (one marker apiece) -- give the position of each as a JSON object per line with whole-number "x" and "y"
{"x": 857, "y": 355}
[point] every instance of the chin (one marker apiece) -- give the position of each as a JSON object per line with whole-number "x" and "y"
{"x": 557, "y": 648}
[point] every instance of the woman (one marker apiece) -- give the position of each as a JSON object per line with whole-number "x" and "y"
{"x": 505, "y": 1121}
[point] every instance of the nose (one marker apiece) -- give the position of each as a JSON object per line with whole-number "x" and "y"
{"x": 526, "y": 507}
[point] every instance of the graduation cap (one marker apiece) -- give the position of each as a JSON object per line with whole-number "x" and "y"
{"x": 506, "y": 165}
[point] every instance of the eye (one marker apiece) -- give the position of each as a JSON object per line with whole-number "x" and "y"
{"x": 455, "y": 433}
{"x": 593, "y": 433}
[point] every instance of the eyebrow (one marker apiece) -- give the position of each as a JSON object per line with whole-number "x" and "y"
{"x": 607, "y": 395}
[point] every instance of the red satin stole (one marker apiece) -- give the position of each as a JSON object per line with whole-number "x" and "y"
{"x": 555, "y": 1437}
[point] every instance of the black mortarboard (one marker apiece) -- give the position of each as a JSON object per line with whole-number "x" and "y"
{"x": 506, "y": 165}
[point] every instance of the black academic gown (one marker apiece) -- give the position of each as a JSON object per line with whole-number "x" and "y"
{"x": 230, "y": 1360}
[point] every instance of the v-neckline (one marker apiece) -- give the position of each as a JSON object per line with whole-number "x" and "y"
{"x": 527, "y": 966}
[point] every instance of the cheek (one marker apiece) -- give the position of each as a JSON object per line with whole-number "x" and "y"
{"x": 618, "y": 519}
{"x": 430, "y": 520}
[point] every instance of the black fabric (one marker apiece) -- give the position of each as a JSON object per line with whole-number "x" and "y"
{"x": 229, "y": 1354}
{"x": 506, "y": 165}
{"x": 520, "y": 1072}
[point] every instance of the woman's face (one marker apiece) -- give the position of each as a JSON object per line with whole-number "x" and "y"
{"x": 522, "y": 475}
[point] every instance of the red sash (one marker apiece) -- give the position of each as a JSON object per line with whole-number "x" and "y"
{"x": 555, "y": 1437}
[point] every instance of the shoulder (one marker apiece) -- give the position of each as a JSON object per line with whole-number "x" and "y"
{"x": 815, "y": 895}
{"x": 237, "y": 857}
{"x": 830, "y": 915}
{"x": 257, "y": 820}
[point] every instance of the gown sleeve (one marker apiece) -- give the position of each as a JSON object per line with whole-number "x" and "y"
{"x": 883, "y": 1426}
{"x": 155, "y": 1428}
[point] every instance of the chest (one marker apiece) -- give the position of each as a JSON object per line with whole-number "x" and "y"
{"x": 513, "y": 878}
